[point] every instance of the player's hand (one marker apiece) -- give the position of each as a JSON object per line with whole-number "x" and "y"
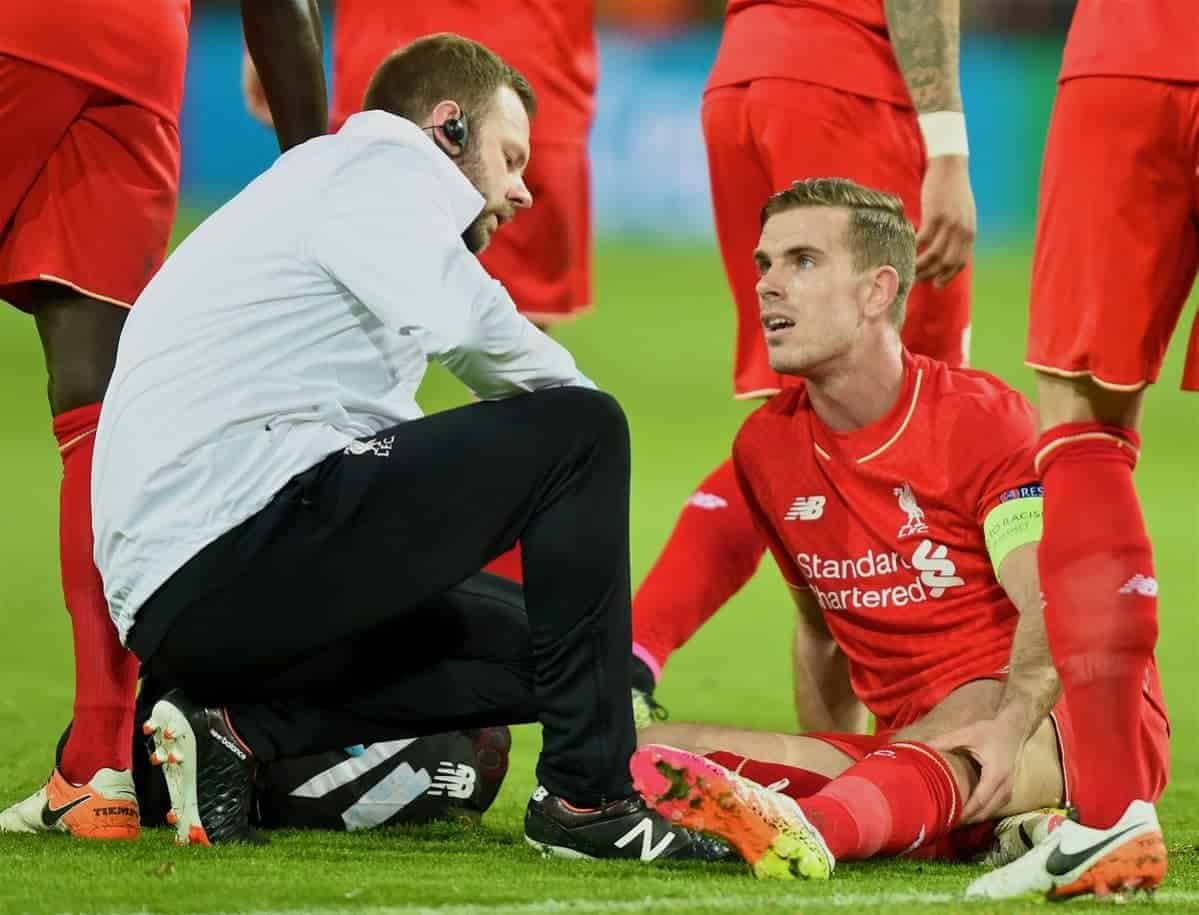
{"x": 251, "y": 87}
{"x": 995, "y": 745}
{"x": 948, "y": 220}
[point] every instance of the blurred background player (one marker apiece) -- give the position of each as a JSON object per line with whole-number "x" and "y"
{"x": 1116, "y": 254}
{"x": 544, "y": 257}
{"x": 863, "y": 89}
{"x": 87, "y": 199}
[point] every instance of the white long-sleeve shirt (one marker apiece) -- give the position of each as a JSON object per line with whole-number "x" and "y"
{"x": 298, "y": 317}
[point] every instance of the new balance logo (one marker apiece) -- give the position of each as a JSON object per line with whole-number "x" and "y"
{"x": 453, "y": 780}
{"x": 228, "y": 744}
{"x": 1144, "y": 585}
{"x": 379, "y": 447}
{"x": 645, "y": 829}
{"x": 806, "y": 508}
{"x": 707, "y": 501}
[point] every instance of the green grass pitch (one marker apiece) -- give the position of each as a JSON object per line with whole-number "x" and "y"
{"x": 659, "y": 340}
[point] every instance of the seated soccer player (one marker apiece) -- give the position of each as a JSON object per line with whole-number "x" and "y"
{"x": 900, "y": 502}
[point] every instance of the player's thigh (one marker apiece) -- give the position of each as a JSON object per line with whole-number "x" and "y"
{"x": 543, "y": 257}
{"x": 969, "y": 703}
{"x": 811, "y": 753}
{"x": 1039, "y": 778}
{"x": 740, "y": 185}
{"x": 1062, "y": 399}
{"x": 1117, "y": 246}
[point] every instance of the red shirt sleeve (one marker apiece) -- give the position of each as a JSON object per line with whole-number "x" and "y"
{"x": 1002, "y": 439}
{"x": 755, "y": 488}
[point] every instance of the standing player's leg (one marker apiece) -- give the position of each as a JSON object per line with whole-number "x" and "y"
{"x": 1115, "y": 256}
{"x": 86, "y": 237}
{"x": 544, "y": 257}
{"x": 1111, "y": 272}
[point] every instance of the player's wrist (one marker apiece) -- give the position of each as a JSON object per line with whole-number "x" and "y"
{"x": 944, "y": 134}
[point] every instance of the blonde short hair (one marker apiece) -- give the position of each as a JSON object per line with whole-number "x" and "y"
{"x": 879, "y": 235}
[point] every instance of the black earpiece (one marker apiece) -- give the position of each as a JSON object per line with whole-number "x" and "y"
{"x": 455, "y": 130}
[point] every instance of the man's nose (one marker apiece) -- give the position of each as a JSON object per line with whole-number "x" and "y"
{"x": 520, "y": 196}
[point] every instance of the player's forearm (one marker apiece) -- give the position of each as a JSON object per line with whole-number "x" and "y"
{"x": 284, "y": 41}
{"x": 926, "y": 37}
{"x": 1033, "y": 686}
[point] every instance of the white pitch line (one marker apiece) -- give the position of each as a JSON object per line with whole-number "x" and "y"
{"x": 715, "y": 903}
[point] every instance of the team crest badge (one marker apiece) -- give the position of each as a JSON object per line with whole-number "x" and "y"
{"x": 907, "y": 502}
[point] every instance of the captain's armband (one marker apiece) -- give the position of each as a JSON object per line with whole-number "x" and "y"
{"x": 1011, "y": 524}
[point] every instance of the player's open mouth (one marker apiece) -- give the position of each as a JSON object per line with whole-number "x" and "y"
{"x": 775, "y": 323}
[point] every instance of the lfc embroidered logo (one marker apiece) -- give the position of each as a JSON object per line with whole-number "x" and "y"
{"x": 907, "y": 503}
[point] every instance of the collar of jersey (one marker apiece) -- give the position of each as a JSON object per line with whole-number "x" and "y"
{"x": 863, "y": 445}
{"x": 464, "y": 199}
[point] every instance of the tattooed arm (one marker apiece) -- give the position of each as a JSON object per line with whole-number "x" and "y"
{"x": 926, "y": 37}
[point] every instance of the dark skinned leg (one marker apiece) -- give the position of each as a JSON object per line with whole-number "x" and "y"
{"x": 79, "y": 339}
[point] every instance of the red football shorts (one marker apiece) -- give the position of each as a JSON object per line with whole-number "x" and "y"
{"x": 1117, "y": 243}
{"x": 88, "y": 185}
{"x": 856, "y": 746}
{"x": 543, "y": 257}
{"x": 764, "y": 135}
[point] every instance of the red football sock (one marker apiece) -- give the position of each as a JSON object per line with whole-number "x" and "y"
{"x": 105, "y": 673}
{"x": 508, "y": 565}
{"x": 965, "y": 843}
{"x": 712, "y": 552}
{"x": 1100, "y": 594}
{"x": 789, "y": 780}
{"x": 893, "y": 801}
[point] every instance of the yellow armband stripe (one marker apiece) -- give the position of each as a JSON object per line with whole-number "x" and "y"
{"x": 1011, "y": 524}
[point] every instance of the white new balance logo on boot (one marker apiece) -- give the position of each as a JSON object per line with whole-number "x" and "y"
{"x": 645, "y": 829}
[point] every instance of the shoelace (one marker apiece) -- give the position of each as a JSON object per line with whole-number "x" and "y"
{"x": 775, "y": 807}
{"x": 647, "y": 709}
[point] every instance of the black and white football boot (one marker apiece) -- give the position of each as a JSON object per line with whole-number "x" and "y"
{"x": 627, "y": 829}
{"x": 209, "y": 771}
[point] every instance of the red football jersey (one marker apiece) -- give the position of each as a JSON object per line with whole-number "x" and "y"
{"x": 1157, "y": 39}
{"x": 884, "y": 526}
{"x": 842, "y": 44}
{"x": 552, "y": 42}
{"x": 136, "y": 49}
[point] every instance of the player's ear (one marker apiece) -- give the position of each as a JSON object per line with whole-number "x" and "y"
{"x": 881, "y": 293}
